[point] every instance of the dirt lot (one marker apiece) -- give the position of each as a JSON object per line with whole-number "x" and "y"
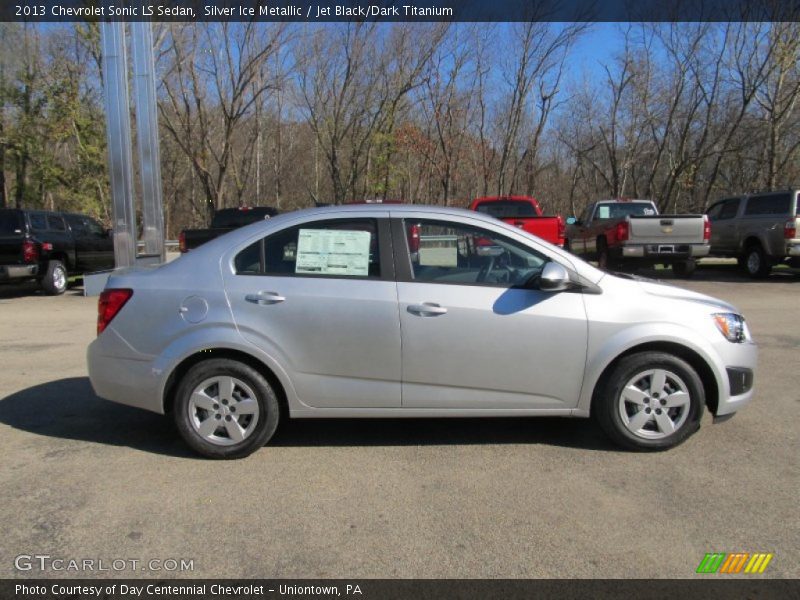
{"x": 84, "y": 478}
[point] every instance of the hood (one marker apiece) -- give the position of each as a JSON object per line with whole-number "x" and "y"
{"x": 657, "y": 288}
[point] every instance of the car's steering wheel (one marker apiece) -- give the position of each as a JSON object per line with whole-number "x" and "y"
{"x": 486, "y": 269}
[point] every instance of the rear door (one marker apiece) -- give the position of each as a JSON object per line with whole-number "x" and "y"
{"x": 320, "y": 297}
{"x": 474, "y": 335}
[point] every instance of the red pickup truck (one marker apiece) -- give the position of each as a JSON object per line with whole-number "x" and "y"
{"x": 523, "y": 212}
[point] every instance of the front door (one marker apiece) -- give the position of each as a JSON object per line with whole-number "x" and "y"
{"x": 477, "y": 332}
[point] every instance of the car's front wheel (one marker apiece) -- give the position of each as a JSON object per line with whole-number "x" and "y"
{"x": 225, "y": 409}
{"x": 650, "y": 401}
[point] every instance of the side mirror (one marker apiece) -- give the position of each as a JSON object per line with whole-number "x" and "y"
{"x": 554, "y": 278}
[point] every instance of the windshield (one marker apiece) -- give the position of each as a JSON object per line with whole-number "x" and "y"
{"x": 618, "y": 210}
{"x": 10, "y": 222}
{"x": 507, "y": 209}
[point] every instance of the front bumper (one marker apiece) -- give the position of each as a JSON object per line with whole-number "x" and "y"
{"x": 738, "y": 378}
{"x": 18, "y": 272}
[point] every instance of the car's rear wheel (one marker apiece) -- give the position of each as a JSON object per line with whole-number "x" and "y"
{"x": 54, "y": 282}
{"x": 650, "y": 401}
{"x": 756, "y": 263}
{"x": 684, "y": 269}
{"x": 225, "y": 409}
{"x": 604, "y": 260}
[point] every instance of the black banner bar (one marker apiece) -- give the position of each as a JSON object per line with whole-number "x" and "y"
{"x": 324, "y": 11}
{"x": 418, "y": 589}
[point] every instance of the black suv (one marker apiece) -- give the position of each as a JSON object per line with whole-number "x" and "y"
{"x": 49, "y": 246}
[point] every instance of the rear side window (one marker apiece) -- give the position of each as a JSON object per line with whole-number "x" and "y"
{"x": 10, "y": 222}
{"x": 776, "y": 204}
{"x": 55, "y": 223}
{"x": 333, "y": 248}
{"x": 38, "y": 221}
{"x": 507, "y": 209}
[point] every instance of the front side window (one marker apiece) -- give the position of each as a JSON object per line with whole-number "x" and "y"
{"x": 332, "y": 248}
{"x": 729, "y": 210}
{"x": 443, "y": 252}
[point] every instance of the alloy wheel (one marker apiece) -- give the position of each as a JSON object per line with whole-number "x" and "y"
{"x": 654, "y": 404}
{"x": 223, "y": 410}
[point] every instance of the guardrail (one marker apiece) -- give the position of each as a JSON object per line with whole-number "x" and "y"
{"x": 168, "y": 243}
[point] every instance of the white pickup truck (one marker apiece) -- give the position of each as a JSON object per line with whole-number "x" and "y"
{"x": 616, "y": 232}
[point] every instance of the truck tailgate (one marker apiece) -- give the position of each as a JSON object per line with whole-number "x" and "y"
{"x": 660, "y": 229}
{"x": 546, "y": 228}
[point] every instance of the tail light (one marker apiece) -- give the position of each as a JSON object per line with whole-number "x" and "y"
{"x": 182, "y": 241}
{"x": 110, "y": 303}
{"x": 413, "y": 238}
{"x": 562, "y": 231}
{"x": 706, "y": 228}
{"x": 790, "y": 229}
{"x": 622, "y": 231}
{"x": 30, "y": 252}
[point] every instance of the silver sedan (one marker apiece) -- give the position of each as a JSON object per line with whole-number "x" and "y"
{"x": 410, "y": 311}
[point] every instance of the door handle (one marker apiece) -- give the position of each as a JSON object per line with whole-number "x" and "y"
{"x": 265, "y": 298}
{"x": 426, "y": 309}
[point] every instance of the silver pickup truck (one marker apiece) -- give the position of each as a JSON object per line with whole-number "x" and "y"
{"x": 616, "y": 232}
{"x": 758, "y": 229}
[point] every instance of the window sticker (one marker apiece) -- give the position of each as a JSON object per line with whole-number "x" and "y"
{"x": 603, "y": 212}
{"x": 333, "y": 252}
{"x": 648, "y": 212}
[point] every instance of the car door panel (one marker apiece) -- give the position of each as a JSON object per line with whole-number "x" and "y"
{"x": 339, "y": 338}
{"x": 479, "y": 345}
{"x": 493, "y": 348}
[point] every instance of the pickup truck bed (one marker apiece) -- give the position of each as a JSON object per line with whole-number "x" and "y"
{"x": 523, "y": 212}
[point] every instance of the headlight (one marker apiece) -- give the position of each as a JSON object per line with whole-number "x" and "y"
{"x": 732, "y": 326}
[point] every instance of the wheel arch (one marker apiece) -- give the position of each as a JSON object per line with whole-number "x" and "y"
{"x": 695, "y": 360}
{"x": 175, "y": 376}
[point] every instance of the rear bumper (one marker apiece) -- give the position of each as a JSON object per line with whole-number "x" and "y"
{"x": 130, "y": 381}
{"x": 664, "y": 252}
{"x": 18, "y": 272}
{"x": 793, "y": 249}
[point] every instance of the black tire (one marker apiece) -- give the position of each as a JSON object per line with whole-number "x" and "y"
{"x": 684, "y": 269}
{"x": 185, "y": 413}
{"x": 55, "y": 282}
{"x": 755, "y": 261}
{"x": 604, "y": 260}
{"x": 608, "y": 405}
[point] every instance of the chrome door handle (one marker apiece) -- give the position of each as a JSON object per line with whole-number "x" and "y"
{"x": 426, "y": 309}
{"x": 264, "y": 298}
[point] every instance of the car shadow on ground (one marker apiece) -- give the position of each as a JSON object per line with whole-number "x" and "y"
{"x": 69, "y": 409}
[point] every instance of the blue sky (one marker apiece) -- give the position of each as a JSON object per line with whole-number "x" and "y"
{"x": 597, "y": 47}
